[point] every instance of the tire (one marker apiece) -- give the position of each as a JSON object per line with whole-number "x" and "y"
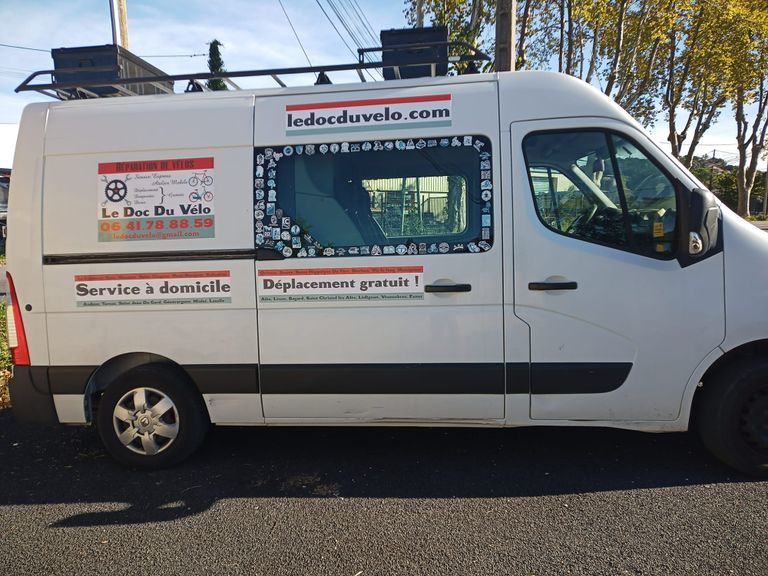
{"x": 732, "y": 416}
{"x": 151, "y": 417}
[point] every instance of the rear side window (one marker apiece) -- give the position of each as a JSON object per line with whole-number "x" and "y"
{"x": 601, "y": 187}
{"x": 391, "y": 197}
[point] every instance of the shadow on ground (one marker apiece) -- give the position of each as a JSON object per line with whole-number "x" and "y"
{"x": 67, "y": 465}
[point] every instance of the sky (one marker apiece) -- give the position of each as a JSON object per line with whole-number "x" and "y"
{"x": 254, "y": 33}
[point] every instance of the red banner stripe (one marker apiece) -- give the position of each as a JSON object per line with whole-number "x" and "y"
{"x": 371, "y": 102}
{"x": 340, "y": 271}
{"x": 153, "y": 275}
{"x": 167, "y": 165}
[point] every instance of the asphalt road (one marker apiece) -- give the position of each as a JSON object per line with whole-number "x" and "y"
{"x": 380, "y": 501}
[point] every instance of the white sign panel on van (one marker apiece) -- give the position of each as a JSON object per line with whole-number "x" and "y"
{"x": 431, "y": 111}
{"x": 337, "y": 284}
{"x": 146, "y": 288}
{"x": 156, "y": 199}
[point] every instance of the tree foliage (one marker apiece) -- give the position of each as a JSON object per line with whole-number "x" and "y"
{"x": 683, "y": 61}
{"x": 469, "y": 21}
{"x": 215, "y": 65}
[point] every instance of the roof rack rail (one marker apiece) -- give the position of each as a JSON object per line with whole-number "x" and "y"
{"x": 195, "y": 82}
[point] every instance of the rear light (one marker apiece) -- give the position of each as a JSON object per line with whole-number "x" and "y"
{"x": 17, "y": 339}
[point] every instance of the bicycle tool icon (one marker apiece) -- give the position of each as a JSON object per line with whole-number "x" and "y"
{"x": 115, "y": 190}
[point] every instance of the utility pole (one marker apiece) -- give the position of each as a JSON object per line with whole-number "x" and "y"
{"x": 506, "y": 11}
{"x": 711, "y": 170}
{"x": 119, "y": 15}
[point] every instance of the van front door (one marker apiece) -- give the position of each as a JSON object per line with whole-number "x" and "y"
{"x": 618, "y": 325}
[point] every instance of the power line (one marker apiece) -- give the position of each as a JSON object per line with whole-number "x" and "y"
{"x": 366, "y": 30}
{"x": 295, "y": 34}
{"x": 23, "y": 48}
{"x": 337, "y": 11}
{"x": 342, "y": 37}
{"x": 171, "y": 55}
{"x": 367, "y": 23}
{"x": 141, "y": 56}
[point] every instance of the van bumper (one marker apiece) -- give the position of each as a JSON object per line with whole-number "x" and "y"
{"x": 31, "y": 399}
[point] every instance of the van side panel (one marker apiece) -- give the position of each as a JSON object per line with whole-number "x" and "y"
{"x": 24, "y": 244}
{"x": 148, "y": 240}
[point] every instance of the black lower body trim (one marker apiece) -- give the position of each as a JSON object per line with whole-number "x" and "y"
{"x": 31, "y": 398}
{"x": 578, "y": 377}
{"x": 32, "y": 387}
{"x": 225, "y": 378}
{"x": 382, "y": 379}
{"x": 69, "y": 379}
{"x": 209, "y": 379}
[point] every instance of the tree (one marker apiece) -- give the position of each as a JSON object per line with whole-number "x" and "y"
{"x": 719, "y": 177}
{"x": 467, "y": 21}
{"x": 685, "y": 58}
{"x": 215, "y": 65}
{"x": 748, "y": 73}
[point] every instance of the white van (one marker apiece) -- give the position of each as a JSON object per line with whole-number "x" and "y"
{"x": 485, "y": 250}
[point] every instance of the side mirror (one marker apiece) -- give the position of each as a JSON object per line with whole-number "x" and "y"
{"x": 703, "y": 222}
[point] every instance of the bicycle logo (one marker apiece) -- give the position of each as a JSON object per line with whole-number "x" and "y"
{"x": 197, "y": 196}
{"x": 204, "y": 179}
{"x": 201, "y": 178}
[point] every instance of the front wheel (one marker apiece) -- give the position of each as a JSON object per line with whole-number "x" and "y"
{"x": 732, "y": 417}
{"x": 151, "y": 417}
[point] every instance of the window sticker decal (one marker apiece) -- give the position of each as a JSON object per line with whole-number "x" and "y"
{"x": 148, "y": 288}
{"x": 443, "y": 227}
{"x": 156, "y": 200}
{"x": 341, "y": 284}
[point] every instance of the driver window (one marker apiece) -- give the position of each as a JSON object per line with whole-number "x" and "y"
{"x": 574, "y": 185}
{"x": 558, "y": 198}
{"x": 599, "y": 187}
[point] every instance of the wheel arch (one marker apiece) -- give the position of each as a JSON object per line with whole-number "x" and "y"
{"x": 114, "y": 368}
{"x": 726, "y": 360}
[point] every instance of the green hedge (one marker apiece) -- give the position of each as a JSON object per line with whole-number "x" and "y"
{"x": 5, "y": 357}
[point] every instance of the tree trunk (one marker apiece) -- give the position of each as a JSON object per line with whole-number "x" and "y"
{"x": 569, "y": 53}
{"x": 750, "y": 145}
{"x": 595, "y": 54}
{"x": 524, "y": 29}
{"x": 742, "y": 208}
{"x": 561, "y": 45}
{"x": 618, "y": 47}
{"x": 707, "y": 114}
{"x": 670, "y": 97}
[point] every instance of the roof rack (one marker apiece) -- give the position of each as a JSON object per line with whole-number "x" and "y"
{"x": 395, "y": 60}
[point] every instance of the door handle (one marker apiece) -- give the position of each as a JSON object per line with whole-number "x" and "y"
{"x": 547, "y": 286}
{"x": 442, "y": 288}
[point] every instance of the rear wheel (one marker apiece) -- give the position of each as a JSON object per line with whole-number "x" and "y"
{"x": 151, "y": 417}
{"x": 732, "y": 416}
